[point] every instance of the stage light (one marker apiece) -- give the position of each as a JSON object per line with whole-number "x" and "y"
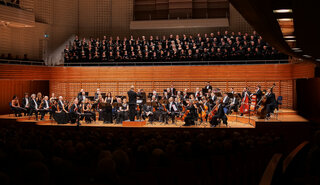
{"x": 296, "y": 48}
{"x": 285, "y": 19}
{"x": 318, "y": 59}
{"x": 307, "y": 56}
{"x": 282, "y": 11}
{"x": 289, "y": 37}
{"x": 292, "y": 40}
{"x": 297, "y": 51}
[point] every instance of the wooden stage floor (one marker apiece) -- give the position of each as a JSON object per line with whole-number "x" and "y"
{"x": 234, "y": 121}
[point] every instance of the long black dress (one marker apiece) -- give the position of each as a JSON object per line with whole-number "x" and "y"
{"x": 60, "y": 118}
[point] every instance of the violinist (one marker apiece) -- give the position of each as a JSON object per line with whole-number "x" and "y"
{"x": 45, "y": 107}
{"x": 89, "y": 115}
{"x": 100, "y": 108}
{"x": 39, "y": 99}
{"x": 190, "y": 114}
{"x": 162, "y": 111}
{"x": 147, "y": 111}
{"x": 225, "y": 102}
{"x": 58, "y": 115}
{"x": 53, "y": 97}
{"x": 172, "y": 109}
{"x": 26, "y": 103}
{"x": 34, "y": 108}
{"x": 270, "y": 102}
{"x": 75, "y": 112}
{"x": 206, "y": 108}
{"x": 219, "y": 115}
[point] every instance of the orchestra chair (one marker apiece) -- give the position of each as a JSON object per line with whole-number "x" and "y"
{"x": 279, "y": 102}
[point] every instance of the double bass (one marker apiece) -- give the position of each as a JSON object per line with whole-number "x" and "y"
{"x": 244, "y": 108}
{"x": 262, "y": 110}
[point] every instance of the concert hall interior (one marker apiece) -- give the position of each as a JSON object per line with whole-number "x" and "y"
{"x": 159, "y": 92}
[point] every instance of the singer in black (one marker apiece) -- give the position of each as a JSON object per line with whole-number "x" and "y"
{"x": 132, "y": 103}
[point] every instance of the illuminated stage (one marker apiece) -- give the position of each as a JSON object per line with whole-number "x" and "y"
{"x": 234, "y": 121}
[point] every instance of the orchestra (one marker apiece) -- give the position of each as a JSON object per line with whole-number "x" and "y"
{"x": 202, "y": 106}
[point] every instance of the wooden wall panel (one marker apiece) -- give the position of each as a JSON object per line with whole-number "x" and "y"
{"x": 270, "y": 72}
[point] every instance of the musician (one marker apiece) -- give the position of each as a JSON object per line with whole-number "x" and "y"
{"x": 80, "y": 94}
{"x": 166, "y": 96}
{"x": 15, "y": 106}
{"x": 124, "y": 111}
{"x": 89, "y": 115}
{"x": 232, "y": 90}
{"x": 213, "y": 98}
{"x": 197, "y": 93}
{"x": 45, "y": 107}
{"x": 53, "y": 97}
{"x": 34, "y": 108}
{"x": 96, "y": 94}
{"x": 75, "y": 112}
{"x": 270, "y": 102}
{"x": 225, "y": 102}
{"x": 58, "y": 115}
{"x": 234, "y": 104}
{"x": 258, "y": 93}
{"x": 99, "y": 107}
{"x": 147, "y": 111}
{"x": 155, "y": 94}
{"x": 172, "y": 109}
{"x": 219, "y": 115}
{"x": 82, "y": 98}
{"x": 26, "y": 103}
{"x": 61, "y": 105}
{"x": 206, "y": 106}
{"x": 191, "y": 116}
{"x": 173, "y": 90}
{"x": 39, "y": 98}
{"x": 208, "y": 86}
{"x": 185, "y": 95}
{"x": 117, "y": 110}
{"x": 132, "y": 103}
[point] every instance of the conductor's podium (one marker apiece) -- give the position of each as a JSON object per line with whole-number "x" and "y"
{"x": 134, "y": 123}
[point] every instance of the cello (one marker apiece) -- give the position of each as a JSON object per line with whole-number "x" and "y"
{"x": 262, "y": 110}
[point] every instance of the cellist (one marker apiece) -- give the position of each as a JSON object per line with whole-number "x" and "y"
{"x": 244, "y": 108}
{"x": 219, "y": 115}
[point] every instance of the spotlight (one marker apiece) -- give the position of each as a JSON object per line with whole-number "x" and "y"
{"x": 289, "y": 37}
{"x": 282, "y": 11}
{"x": 285, "y": 19}
{"x": 307, "y": 56}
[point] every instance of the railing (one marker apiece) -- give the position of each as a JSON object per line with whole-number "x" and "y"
{"x": 146, "y": 63}
{"x": 22, "y": 62}
{"x": 178, "y": 63}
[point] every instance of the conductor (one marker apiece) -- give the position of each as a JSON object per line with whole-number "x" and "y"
{"x": 132, "y": 103}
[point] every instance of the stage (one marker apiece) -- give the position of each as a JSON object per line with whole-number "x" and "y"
{"x": 234, "y": 121}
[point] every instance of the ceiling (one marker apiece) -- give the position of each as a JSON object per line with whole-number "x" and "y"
{"x": 305, "y": 14}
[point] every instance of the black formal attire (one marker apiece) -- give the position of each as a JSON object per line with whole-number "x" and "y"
{"x": 74, "y": 114}
{"x": 59, "y": 117}
{"x": 219, "y": 115}
{"x": 208, "y": 87}
{"x": 124, "y": 112}
{"x": 45, "y": 108}
{"x": 191, "y": 116}
{"x": 147, "y": 109}
{"x": 25, "y": 103}
{"x": 258, "y": 93}
{"x": 132, "y": 104}
{"x": 270, "y": 103}
{"x": 34, "y": 108}
{"x": 234, "y": 105}
{"x": 172, "y": 109}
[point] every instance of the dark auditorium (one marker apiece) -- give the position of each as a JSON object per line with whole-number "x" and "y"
{"x": 159, "y": 92}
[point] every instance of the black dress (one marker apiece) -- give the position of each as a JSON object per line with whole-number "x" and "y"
{"x": 60, "y": 118}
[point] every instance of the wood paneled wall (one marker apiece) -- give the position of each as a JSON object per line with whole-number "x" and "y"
{"x": 67, "y": 81}
{"x": 19, "y": 87}
{"x": 70, "y": 89}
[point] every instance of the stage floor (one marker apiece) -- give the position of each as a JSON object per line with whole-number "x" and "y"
{"x": 234, "y": 121}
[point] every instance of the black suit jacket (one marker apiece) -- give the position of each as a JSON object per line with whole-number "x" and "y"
{"x": 259, "y": 94}
{"x": 170, "y": 109}
{"x": 206, "y": 87}
{"x": 33, "y": 104}
{"x": 132, "y": 97}
{"x": 173, "y": 91}
{"x": 271, "y": 99}
{"x": 24, "y": 102}
{"x": 220, "y": 112}
{"x": 44, "y": 105}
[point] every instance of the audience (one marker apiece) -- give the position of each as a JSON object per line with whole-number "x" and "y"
{"x": 69, "y": 155}
{"x": 219, "y": 46}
